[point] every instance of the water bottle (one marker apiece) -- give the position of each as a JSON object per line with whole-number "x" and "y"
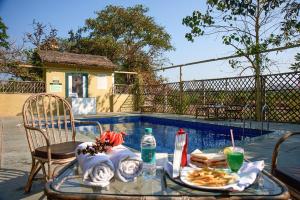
{"x": 148, "y": 147}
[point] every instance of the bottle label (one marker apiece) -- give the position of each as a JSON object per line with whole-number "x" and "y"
{"x": 148, "y": 155}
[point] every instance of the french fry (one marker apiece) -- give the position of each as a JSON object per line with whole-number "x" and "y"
{"x": 210, "y": 177}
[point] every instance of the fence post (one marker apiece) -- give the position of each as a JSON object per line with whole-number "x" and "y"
{"x": 165, "y": 99}
{"x": 263, "y": 96}
{"x": 204, "y": 93}
{"x": 180, "y": 91}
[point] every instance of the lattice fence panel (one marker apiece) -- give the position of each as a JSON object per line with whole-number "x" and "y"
{"x": 123, "y": 89}
{"x": 282, "y": 95}
{"x": 22, "y": 87}
{"x": 236, "y": 95}
{"x": 168, "y": 98}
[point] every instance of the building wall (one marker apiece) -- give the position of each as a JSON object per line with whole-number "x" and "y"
{"x": 123, "y": 103}
{"x": 102, "y": 95}
{"x": 12, "y": 104}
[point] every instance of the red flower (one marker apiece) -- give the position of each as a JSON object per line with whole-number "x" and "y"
{"x": 112, "y": 138}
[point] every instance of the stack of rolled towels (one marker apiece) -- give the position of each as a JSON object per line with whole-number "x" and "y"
{"x": 99, "y": 169}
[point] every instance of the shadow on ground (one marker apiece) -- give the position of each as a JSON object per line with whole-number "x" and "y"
{"x": 12, "y": 184}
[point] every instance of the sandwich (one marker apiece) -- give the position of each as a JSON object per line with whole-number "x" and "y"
{"x": 201, "y": 159}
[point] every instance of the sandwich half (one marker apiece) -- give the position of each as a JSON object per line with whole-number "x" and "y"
{"x": 201, "y": 159}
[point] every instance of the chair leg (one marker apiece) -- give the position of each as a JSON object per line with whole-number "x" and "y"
{"x": 54, "y": 171}
{"x": 49, "y": 170}
{"x": 35, "y": 168}
{"x": 44, "y": 172}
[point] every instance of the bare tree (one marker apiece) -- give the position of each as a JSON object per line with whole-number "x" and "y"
{"x": 41, "y": 38}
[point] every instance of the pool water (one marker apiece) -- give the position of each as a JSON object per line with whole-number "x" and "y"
{"x": 200, "y": 135}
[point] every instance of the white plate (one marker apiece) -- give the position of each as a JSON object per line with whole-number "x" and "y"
{"x": 187, "y": 170}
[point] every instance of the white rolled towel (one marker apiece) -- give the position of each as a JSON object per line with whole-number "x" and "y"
{"x": 97, "y": 170}
{"x": 128, "y": 165}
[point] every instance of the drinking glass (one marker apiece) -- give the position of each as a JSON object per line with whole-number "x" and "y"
{"x": 235, "y": 158}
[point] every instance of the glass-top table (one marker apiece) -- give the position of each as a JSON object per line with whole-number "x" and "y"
{"x": 68, "y": 185}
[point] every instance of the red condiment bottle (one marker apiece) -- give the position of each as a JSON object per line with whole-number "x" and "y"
{"x": 184, "y": 151}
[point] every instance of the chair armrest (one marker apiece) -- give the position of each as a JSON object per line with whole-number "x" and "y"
{"x": 39, "y": 131}
{"x": 47, "y": 142}
{"x": 277, "y": 147}
{"x": 95, "y": 123}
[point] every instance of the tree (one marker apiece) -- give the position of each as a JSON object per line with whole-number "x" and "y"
{"x": 296, "y": 66}
{"x": 4, "y": 45}
{"x": 249, "y": 27}
{"x": 127, "y": 36}
{"x": 42, "y": 37}
{"x": 9, "y": 53}
{"x": 3, "y": 35}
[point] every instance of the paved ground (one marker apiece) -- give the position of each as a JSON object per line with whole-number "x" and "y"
{"x": 15, "y": 160}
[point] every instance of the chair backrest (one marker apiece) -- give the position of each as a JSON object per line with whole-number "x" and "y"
{"x": 51, "y": 114}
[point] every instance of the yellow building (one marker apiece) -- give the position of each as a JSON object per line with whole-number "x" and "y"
{"x": 85, "y": 80}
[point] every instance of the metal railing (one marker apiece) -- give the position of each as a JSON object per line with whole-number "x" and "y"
{"x": 122, "y": 89}
{"x": 264, "y": 117}
{"x": 244, "y": 117}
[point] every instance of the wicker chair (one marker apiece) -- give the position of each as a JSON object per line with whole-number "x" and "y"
{"x": 289, "y": 174}
{"x": 49, "y": 123}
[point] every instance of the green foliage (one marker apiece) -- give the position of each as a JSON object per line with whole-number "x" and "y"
{"x": 104, "y": 46}
{"x": 291, "y": 25}
{"x": 34, "y": 74}
{"x": 11, "y": 55}
{"x": 3, "y": 35}
{"x": 42, "y": 37}
{"x": 127, "y": 36}
{"x": 296, "y": 65}
{"x": 248, "y": 26}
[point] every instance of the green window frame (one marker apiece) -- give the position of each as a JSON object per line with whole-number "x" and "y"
{"x": 75, "y": 73}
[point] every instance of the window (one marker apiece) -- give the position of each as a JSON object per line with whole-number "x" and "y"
{"x": 77, "y": 85}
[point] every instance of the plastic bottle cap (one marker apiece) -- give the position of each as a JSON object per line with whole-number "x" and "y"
{"x": 148, "y": 130}
{"x": 181, "y": 131}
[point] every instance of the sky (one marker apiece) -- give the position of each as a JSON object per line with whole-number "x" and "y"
{"x": 65, "y": 15}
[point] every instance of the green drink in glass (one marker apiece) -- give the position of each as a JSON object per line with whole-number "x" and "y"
{"x": 235, "y": 158}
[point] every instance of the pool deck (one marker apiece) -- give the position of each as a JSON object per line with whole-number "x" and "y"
{"x": 15, "y": 159}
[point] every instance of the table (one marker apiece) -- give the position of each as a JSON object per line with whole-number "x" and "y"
{"x": 206, "y": 109}
{"x": 68, "y": 185}
{"x": 234, "y": 111}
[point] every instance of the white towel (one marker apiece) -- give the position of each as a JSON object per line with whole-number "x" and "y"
{"x": 248, "y": 174}
{"x": 97, "y": 169}
{"x": 127, "y": 164}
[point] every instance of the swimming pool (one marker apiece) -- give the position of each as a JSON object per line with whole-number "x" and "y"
{"x": 201, "y": 135}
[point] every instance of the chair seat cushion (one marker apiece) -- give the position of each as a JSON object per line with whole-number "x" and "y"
{"x": 62, "y": 150}
{"x": 288, "y": 175}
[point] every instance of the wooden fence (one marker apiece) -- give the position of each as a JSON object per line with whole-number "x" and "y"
{"x": 233, "y": 97}
{"x": 22, "y": 87}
